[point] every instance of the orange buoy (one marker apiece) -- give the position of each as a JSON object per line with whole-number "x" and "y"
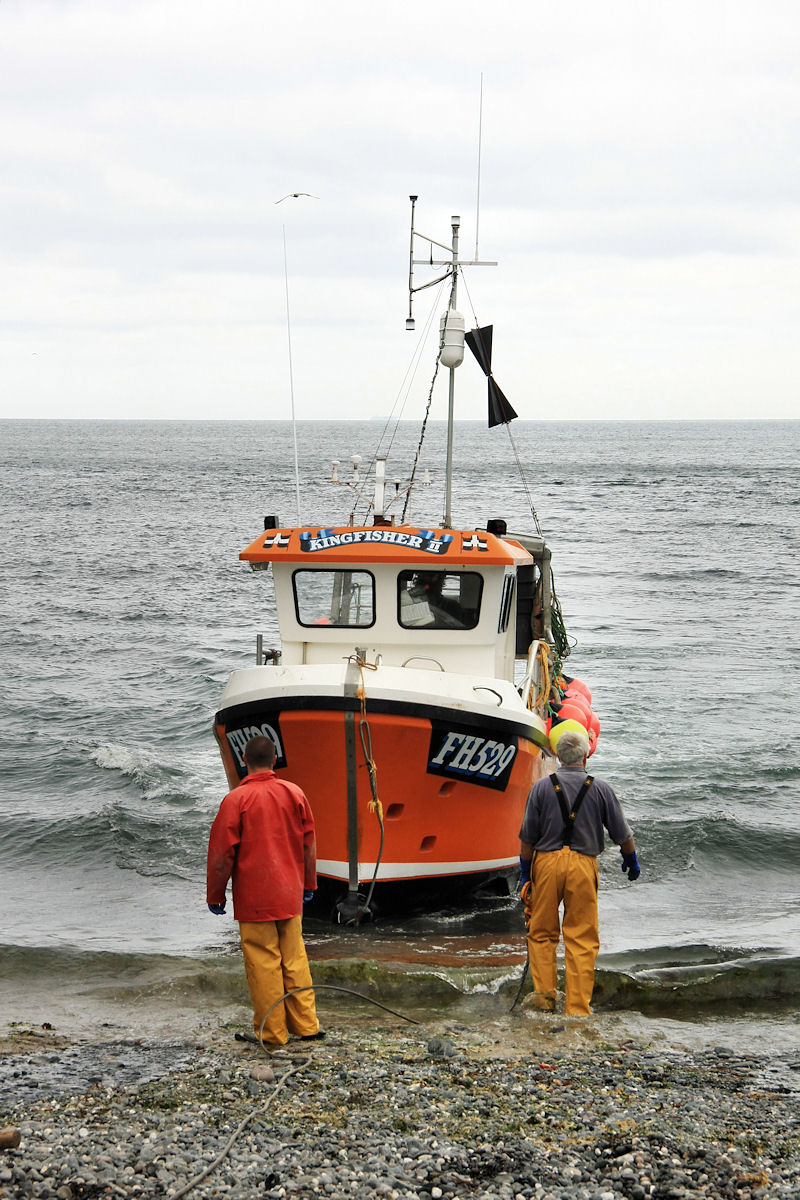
{"x": 577, "y": 686}
{"x": 578, "y": 711}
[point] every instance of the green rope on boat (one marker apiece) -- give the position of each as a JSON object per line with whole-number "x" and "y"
{"x": 560, "y": 638}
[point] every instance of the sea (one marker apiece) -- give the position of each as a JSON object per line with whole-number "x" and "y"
{"x": 676, "y": 557}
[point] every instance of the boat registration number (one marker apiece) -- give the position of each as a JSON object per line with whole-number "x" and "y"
{"x": 238, "y": 739}
{"x": 464, "y": 754}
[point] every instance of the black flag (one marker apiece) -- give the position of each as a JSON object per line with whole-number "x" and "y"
{"x": 480, "y": 343}
{"x": 500, "y": 411}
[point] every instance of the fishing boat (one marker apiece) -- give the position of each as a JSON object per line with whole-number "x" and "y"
{"x": 418, "y": 674}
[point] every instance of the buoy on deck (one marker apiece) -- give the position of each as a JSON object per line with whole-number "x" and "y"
{"x": 577, "y": 711}
{"x": 568, "y": 725}
{"x": 573, "y": 711}
{"x": 577, "y": 687}
{"x": 451, "y": 334}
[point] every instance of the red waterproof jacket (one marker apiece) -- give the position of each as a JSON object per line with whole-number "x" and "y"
{"x": 263, "y": 838}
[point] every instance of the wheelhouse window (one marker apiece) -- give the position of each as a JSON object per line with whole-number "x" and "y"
{"x": 505, "y": 603}
{"x": 340, "y": 598}
{"x": 439, "y": 599}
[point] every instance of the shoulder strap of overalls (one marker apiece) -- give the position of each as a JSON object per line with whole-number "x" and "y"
{"x": 569, "y": 817}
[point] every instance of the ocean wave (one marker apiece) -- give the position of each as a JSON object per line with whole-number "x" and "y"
{"x": 154, "y": 779}
{"x": 728, "y": 986}
{"x": 151, "y": 844}
{"x": 724, "y": 986}
{"x": 719, "y": 842}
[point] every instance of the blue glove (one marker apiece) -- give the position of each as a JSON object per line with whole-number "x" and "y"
{"x": 307, "y": 896}
{"x": 630, "y": 863}
{"x": 524, "y": 870}
{"x": 217, "y": 909}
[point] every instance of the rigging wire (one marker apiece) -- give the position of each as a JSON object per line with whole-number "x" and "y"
{"x": 418, "y": 352}
{"x": 507, "y": 424}
{"x": 523, "y": 478}
{"x": 421, "y": 440}
{"x": 427, "y": 412}
{"x": 403, "y": 391}
{"x": 558, "y": 628}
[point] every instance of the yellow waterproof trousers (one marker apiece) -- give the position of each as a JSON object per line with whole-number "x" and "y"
{"x": 564, "y": 877}
{"x": 275, "y": 962}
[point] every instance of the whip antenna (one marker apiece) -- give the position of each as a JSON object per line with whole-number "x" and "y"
{"x": 478, "y": 198}
{"x": 291, "y": 376}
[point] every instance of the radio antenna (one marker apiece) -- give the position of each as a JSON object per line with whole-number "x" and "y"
{"x": 478, "y": 201}
{"x": 291, "y": 376}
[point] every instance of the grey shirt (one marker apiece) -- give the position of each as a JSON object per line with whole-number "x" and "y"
{"x": 543, "y": 823}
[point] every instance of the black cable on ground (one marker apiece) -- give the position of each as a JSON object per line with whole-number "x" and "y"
{"x": 521, "y": 982}
{"x": 527, "y": 962}
{"x": 331, "y": 987}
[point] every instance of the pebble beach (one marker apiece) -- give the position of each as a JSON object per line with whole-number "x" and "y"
{"x": 542, "y": 1107}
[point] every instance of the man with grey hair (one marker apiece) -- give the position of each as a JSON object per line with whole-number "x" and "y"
{"x": 560, "y": 839}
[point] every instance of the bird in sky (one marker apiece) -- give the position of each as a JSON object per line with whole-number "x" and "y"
{"x": 295, "y": 195}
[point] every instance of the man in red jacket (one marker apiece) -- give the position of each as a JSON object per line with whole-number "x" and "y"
{"x": 263, "y": 839}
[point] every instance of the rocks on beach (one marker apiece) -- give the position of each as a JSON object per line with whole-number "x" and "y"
{"x": 397, "y": 1115}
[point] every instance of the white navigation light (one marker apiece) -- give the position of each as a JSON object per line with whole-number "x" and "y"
{"x": 451, "y": 334}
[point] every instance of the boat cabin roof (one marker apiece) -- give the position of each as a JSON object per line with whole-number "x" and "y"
{"x": 385, "y": 544}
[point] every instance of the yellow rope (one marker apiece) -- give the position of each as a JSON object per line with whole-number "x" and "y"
{"x": 375, "y": 805}
{"x": 543, "y": 654}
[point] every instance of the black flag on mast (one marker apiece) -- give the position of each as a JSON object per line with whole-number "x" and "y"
{"x": 480, "y": 343}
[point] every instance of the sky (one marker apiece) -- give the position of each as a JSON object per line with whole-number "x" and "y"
{"x": 636, "y": 165}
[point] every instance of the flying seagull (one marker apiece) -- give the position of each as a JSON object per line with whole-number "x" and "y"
{"x": 295, "y": 195}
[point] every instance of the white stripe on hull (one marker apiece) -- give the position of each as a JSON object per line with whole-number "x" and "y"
{"x": 392, "y": 871}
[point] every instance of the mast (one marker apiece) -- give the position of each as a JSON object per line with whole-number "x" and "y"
{"x": 455, "y": 223}
{"x": 451, "y": 328}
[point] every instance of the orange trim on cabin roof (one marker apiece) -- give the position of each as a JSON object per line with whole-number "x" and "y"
{"x": 384, "y": 544}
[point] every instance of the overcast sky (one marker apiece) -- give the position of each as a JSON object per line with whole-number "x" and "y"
{"x": 639, "y": 190}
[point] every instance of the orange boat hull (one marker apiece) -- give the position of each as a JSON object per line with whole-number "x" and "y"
{"x": 452, "y": 787}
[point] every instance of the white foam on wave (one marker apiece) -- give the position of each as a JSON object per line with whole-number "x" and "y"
{"x": 187, "y": 784}
{"x": 114, "y": 757}
{"x": 151, "y": 776}
{"x": 476, "y": 983}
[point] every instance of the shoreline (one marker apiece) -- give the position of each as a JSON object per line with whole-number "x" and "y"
{"x": 185, "y": 998}
{"x": 550, "y": 1108}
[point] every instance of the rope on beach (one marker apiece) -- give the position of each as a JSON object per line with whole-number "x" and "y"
{"x": 212, "y": 1166}
{"x": 299, "y": 1065}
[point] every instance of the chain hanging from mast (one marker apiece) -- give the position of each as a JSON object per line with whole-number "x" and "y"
{"x": 422, "y": 434}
